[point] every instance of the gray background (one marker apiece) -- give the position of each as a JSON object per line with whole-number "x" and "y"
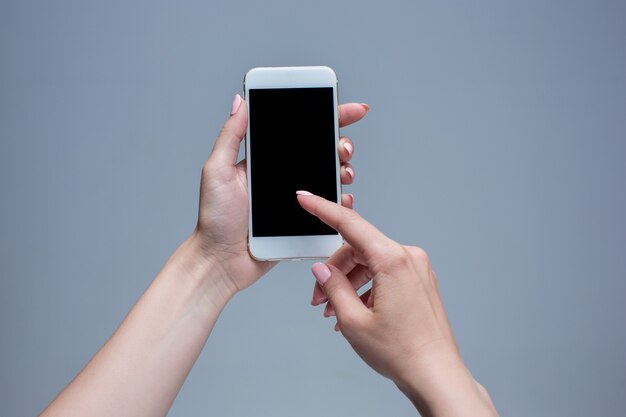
{"x": 496, "y": 141}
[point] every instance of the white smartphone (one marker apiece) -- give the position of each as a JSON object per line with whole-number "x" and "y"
{"x": 291, "y": 145}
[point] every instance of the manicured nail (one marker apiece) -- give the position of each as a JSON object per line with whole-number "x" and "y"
{"x": 236, "y": 103}
{"x": 365, "y": 106}
{"x": 321, "y": 272}
{"x": 350, "y": 172}
{"x": 302, "y": 192}
{"x": 348, "y": 147}
{"x": 329, "y": 311}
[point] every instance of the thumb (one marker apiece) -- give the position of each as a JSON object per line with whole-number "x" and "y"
{"x": 340, "y": 293}
{"x": 226, "y": 146}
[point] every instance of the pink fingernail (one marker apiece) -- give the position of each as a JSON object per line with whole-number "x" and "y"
{"x": 302, "y": 192}
{"x": 348, "y": 147}
{"x": 236, "y": 103}
{"x": 350, "y": 172}
{"x": 321, "y": 272}
{"x": 367, "y": 107}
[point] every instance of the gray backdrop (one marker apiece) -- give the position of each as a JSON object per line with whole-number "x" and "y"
{"x": 496, "y": 141}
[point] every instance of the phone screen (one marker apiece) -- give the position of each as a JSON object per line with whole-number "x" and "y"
{"x": 292, "y": 147}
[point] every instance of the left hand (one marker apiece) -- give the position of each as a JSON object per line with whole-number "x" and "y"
{"x": 222, "y": 228}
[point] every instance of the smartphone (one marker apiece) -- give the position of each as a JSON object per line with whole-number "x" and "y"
{"x": 291, "y": 145}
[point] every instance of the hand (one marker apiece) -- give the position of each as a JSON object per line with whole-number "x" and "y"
{"x": 141, "y": 368}
{"x": 399, "y": 327}
{"x": 222, "y": 228}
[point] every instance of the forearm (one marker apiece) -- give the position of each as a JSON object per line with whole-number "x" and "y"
{"x": 140, "y": 370}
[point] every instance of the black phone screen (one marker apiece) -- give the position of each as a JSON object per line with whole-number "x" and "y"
{"x": 292, "y": 147}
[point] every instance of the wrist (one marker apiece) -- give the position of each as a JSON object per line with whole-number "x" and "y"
{"x": 441, "y": 385}
{"x": 204, "y": 270}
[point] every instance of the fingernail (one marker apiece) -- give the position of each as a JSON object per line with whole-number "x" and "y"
{"x": 350, "y": 172}
{"x": 365, "y": 106}
{"x": 302, "y": 192}
{"x": 348, "y": 147}
{"x": 236, "y": 103}
{"x": 321, "y": 272}
{"x": 351, "y": 197}
{"x": 329, "y": 311}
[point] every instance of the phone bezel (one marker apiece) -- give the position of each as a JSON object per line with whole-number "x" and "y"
{"x": 292, "y": 247}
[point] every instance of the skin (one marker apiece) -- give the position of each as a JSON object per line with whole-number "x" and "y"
{"x": 141, "y": 368}
{"x": 399, "y": 327}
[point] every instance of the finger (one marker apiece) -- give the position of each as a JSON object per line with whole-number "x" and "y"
{"x": 341, "y": 295}
{"x": 360, "y": 234}
{"x": 359, "y": 276}
{"x": 347, "y": 173}
{"x": 347, "y": 200}
{"x": 344, "y": 259}
{"x": 351, "y": 113}
{"x": 226, "y": 146}
{"x": 329, "y": 311}
{"x": 367, "y": 299}
{"x": 346, "y": 149}
{"x": 318, "y": 295}
{"x": 357, "y": 282}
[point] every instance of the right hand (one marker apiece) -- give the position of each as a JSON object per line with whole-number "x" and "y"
{"x": 399, "y": 327}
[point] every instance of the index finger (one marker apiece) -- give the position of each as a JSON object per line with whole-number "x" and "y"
{"x": 357, "y": 231}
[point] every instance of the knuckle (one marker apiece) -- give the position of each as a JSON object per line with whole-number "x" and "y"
{"x": 395, "y": 257}
{"x": 349, "y": 319}
{"x": 419, "y": 256}
{"x": 421, "y": 263}
{"x": 404, "y": 257}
